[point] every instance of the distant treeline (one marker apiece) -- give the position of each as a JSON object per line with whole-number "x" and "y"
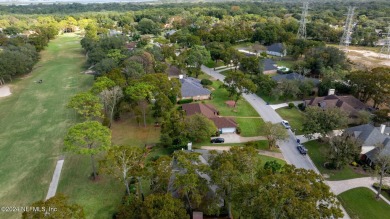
{"x": 379, "y": 8}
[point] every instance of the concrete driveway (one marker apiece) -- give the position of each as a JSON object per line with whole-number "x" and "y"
{"x": 235, "y": 138}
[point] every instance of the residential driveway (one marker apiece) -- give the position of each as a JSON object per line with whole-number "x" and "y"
{"x": 344, "y": 185}
{"x": 287, "y": 147}
{"x": 235, "y": 138}
{"x": 281, "y": 105}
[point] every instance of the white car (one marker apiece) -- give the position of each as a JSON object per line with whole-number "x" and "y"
{"x": 286, "y": 124}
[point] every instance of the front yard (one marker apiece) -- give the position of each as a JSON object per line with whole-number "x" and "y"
{"x": 318, "y": 151}
{"x": 294, "y": 116}
{"x": 251, "y": 126}
{"x": 361, "y": 203}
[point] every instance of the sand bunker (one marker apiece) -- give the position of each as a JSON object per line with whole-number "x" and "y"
{"x": 5, "y": 91}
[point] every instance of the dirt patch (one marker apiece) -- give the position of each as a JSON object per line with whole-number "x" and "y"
{"x": 368, "y": 58}
{"x": 5, "y": 91}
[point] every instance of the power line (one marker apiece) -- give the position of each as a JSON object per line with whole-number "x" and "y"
{"x": 346, "y": 38}
{"x": 385, "y": 50}
{"x": 302, "y": 23}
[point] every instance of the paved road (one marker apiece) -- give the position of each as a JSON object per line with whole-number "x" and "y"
{"x": 288, "y": 147}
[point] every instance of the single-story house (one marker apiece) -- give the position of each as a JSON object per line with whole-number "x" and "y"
{"x": 269, "y": 66}
{"x": 191, "y": 88}
{"x": 276, "y": 49}
{"x": 371, "y": 137}
{"x": 348, "y": 103}
{"x": 224, "y": 125}
{"x": 173, "y": 71}
{"x": 294, "y": 76}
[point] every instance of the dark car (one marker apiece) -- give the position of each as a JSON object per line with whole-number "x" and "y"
{"x": 302, "y": 149}
{"x": 217, "y": 140}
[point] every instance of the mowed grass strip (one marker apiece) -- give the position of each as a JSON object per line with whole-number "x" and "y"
{"x": 294, "y": 116}
{"x": 318, "y": 153}
{"x": 34, "y": 120}
{"x": 361, "y": 203}
{"x": 251, "y": 127}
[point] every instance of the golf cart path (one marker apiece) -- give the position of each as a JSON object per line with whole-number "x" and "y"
{"x": 56, "y": 178}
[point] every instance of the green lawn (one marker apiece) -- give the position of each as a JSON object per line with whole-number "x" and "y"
{"x": 286, "y": 63}
{"x": 220, "y": 96}
{"x": 265, "y": 158}
{"x": 361, "y": 203}
{"x": 317, "y": 152}
{"x": 294, "y": 116}
{"x": 251, "y": 126}
{"x": 34, "y": 121}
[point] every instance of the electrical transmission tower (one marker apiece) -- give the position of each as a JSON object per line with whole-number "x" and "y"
{"x": 302, "y": 23}
{"x": 385, "y": 51}
{"x": 346, "y": 38}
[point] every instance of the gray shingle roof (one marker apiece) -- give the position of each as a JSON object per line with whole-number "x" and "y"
{"x": 293, "y": 76}
{"x": 269, "y": 65}
{"x": 191, "y": 87}
{"x": 369, "y": 135}
{"x": 276, "y": 47}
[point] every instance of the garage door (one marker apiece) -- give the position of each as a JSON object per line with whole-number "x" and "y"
{"x": 228, "y": 130}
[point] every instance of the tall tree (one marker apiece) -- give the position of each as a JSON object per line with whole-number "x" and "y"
{"x": 274, "y": 133}
{"x": 163, "y": 206}
{"x": 56, "y": 207}
{"x": 237, "y": 84}
{"x": 161, "y": 174}
{"x": 382, "y": 165}
{"x": 199, "y": 128}
{"x": 343, "y": 150}
{"x": 110, "y": 99}
{"x": 318, "y": 120}
{"x": 88, "y": 138}
{"x": 87, "y": 105}
{"x": 124, "y": 162}
{"x": 140, "y": 93}
{"x": 196, "y": 56}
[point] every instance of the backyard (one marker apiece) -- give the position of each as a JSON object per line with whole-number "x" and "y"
{"x": 361, "y": 203}
{"x": 318, "y": 151}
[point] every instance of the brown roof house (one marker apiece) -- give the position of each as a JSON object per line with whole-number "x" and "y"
{"x": 223, "y": 124}
{"x": 348, "y": 103}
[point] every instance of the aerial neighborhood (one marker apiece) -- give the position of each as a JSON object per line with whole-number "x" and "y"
{"x": 195, "y": 109}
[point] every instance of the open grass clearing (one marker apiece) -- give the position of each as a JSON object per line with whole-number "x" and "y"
{"x": 251, "y": 127}
{"x": 294, "y": 116}
{"x": 220, "y": 96}
{"x": 318, "y": 151}
{"x": 34, "y": 121}
{"x": 361, "y": 203}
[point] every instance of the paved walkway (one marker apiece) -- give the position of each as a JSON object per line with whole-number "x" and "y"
{"x": 54, "y": 181}
{"x": 341, "y": 186}
{"x": 281, "y": 105}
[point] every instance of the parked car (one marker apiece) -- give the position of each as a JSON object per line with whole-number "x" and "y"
{"x": 217, "y": 140}
{"x": 286, "y": 124}
{"x": 302, "y": 149}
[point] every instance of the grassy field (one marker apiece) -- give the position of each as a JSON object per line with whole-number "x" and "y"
{"x": 361, "y": 203}
{"x": 251, "y": 126}
{"x": 294, "y": 116}
{"x": 34, "y": 120}
{"x": 220, "y": 96}
{"x": 317, "y": 152}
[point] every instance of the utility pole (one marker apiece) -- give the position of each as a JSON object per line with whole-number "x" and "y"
{"x": 302, "y": 23}
{"x": 385, "y": 51}
{"x": 346, "y": 38}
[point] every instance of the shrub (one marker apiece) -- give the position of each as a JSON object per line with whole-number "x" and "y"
{"x": 354, "y": 164}
{"x": 384, "y": 187}
{"x": 185, "y": 101}
{"x": 301, "y": 106}
{"x": 238, "y": 130}
{"x": 291, "y": 105}
{"x": 206, "y": 82}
